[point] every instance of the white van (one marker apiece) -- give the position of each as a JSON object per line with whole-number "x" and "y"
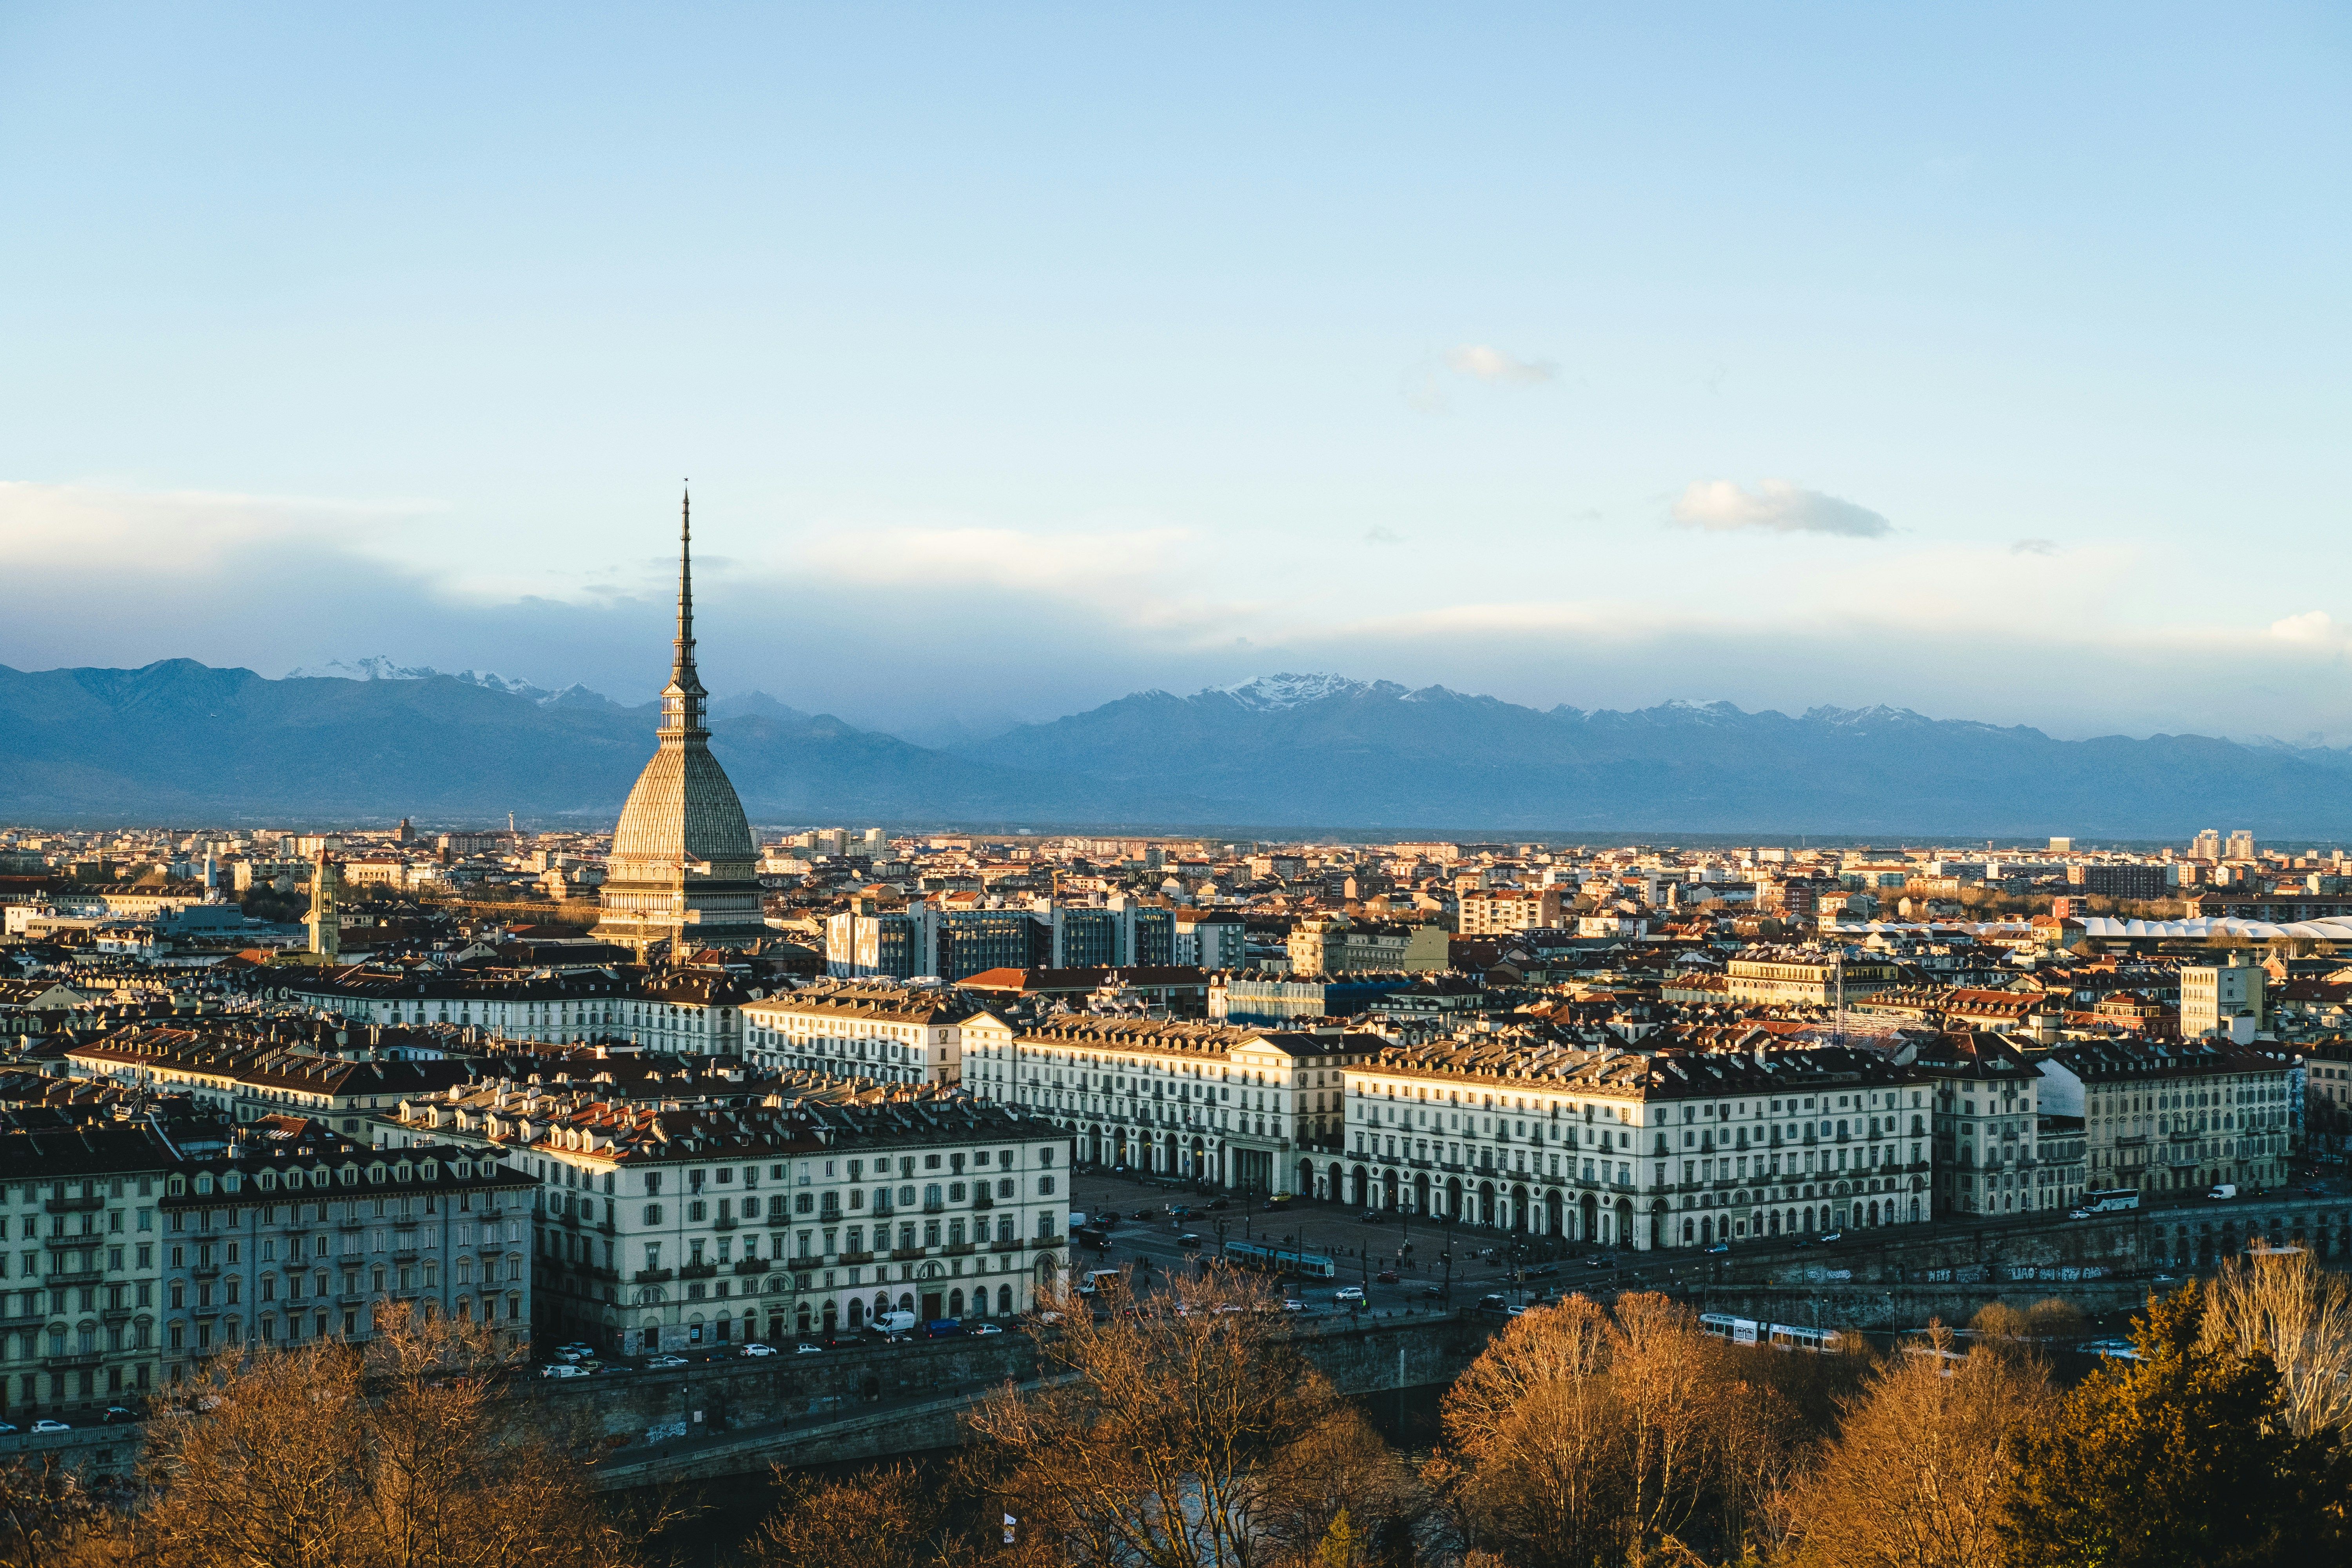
{"x": 2227, "y": 1190}
{"x": 893, "y": 1323}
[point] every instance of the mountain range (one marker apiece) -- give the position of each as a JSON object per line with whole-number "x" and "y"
{"x": 185, "y": 743}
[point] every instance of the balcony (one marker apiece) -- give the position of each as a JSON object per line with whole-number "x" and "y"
{"x": 698, "y": 1270}
{"x": 79, "y": 1277}
{"x": 75, "y": 1205}
{"x": 1004, "y": 1247}
{"x": 856, "y": 1257}
{"x": 958, "y": 1248}
{"x": 983, "y": 1202}
{"x": 753, "y": 1265}
{"x": 904, "y": 1254}
{"x": 723, "y": 1221}
{"x": 652, "y": 1275}
{"x": 66, "y": 1362}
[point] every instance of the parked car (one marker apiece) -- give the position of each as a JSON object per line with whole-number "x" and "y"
{"x": 1349, "y": 1293}
{"x": 756, "y": 1348}
{"x": 808, "y": 1350}
{"x": 575, "y": 1348}
{"x": 1292, "y": 1304}
{"x": 1832, "y": 1238}
{"x": 117, "y": 1413}
{"x": 1720, "y": 1246}
{"x": 1220, "y": 1203}
{"x": 552, "y": 1369}
{"x": 1493, "y": 1303}
{"x": 981, "y": 1331}
{"x": 665, "y": 1362}
{"x": 1388, "y": 1277}
{"x": 51, "y": 1426}
{"x": 7, "y": 1428}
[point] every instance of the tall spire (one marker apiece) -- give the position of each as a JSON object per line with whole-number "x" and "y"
{"x": 682, "y": 666}
{"x": 682, "y": 699}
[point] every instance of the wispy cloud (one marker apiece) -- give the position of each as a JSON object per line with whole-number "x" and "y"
{"x": 70, "y": 523}
{"x": 1381, "y": 534}
{"x": 1775, "y": 506}
{"x": 1491, "y": 365}
{"x": 2034, "y": 547}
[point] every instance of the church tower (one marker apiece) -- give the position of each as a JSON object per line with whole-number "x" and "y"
{"x": 682, "y": 865}
{"x": 326, "y": 921}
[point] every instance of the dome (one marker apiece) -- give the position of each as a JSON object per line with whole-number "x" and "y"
{"x": 682, "y": 811}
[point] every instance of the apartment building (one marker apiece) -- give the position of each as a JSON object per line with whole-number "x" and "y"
{"x": 1212, "y": 941}
{"x": 661, "y": 1227}
{"x": 2175, "y": 1116}
{"x": 689, "y": 1011}
{"x": 245, "y": 1076}
{"x": 1649, "y": 1152}
{"x": 2224, "y": 999}
{"x": 1987, "y": 1123}
{"x": 1505, "y": 910}
{"x": 1808, "y": 976}
{"x": 1259, "y": 1110}
{"x": 80, "y": 1272}
{"x": 1340, "y": 945}
{"x": 892, "y": 1034}
{"x": 296, "y": 1233}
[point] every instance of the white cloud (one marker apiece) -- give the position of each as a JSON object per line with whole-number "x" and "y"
{"x": 2313, "y": 629}
{"x": 997, "y": 557}
{"x": 2034, "y": 547}
{"x": 1775, "y": 506}
{"x": 1491, "y": 365}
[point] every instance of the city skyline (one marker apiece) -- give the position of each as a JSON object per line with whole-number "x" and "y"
{"x": 1789, "y": 360}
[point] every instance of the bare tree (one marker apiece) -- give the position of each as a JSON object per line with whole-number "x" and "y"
{"x": 400, "y": 1454}
{"x": 1585, "y": 1435}
{"x": 2281, "y": 1304}
{"x": 48, "y": 1519}
{"x": 1152, "y": 1438}
{"x": 890, "y": 1517}
{"x": 1916, "y": 1476}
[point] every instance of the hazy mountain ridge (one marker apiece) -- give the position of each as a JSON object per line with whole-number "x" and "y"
{"x": 1374, "y": 753}
{"x": 180, "y": 741}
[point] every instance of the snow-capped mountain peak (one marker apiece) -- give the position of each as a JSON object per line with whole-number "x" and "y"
{"x": 1271, "y": 693}
{"x": 379, "y": 667}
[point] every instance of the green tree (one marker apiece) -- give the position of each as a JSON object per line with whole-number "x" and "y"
{"x": 2181, "y": 1459}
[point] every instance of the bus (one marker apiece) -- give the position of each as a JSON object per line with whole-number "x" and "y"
{"x": 1779, "y": 1336}
{"x": 1280, "y": 1260}
{"x": 2109, "y": 1200}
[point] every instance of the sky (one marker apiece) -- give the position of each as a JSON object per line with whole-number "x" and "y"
{"x": 1988, "y": 361}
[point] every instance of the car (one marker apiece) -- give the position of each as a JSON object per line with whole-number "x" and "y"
{"x": 1388, "y": 1277}
{"x": 1492, "y": 1303}
{"x": 1720, "y": 1246}
{"x": 1220, "y": 1203}
{"x": 665, "y": 1362}
{"x": 1543, "y": 1271}
{"x": 1292, "y": 1304}
{"x": 1349, "y": 1293}
{"x": 806, "y": 1348}
{"x": 1371, "y": 1217}
{"x": 116, "y": 1413}
{"x": 2314, "y": 1192}
{"x": 1805, "y": 1241}
{"x": 1599, "y": 1260}
{"x": 981, "y": 1331}
{"x": 1832, "y": 1238}
{"x": 1432, "y": 1293}
{"x": 552, "y": 1369}
{"x": 51, "y": 1426}
{"x": 2070, "y": 1213}
{"x": 1189, "y": 1238}
{"x": 756, "y": 1348}
{"x": 568, "y": 1354}
{"x": 7, "y": 1428}
{"x": 577, "y": 1345}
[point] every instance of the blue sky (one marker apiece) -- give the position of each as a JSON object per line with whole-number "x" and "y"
{"x": 1990, "y": 361}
